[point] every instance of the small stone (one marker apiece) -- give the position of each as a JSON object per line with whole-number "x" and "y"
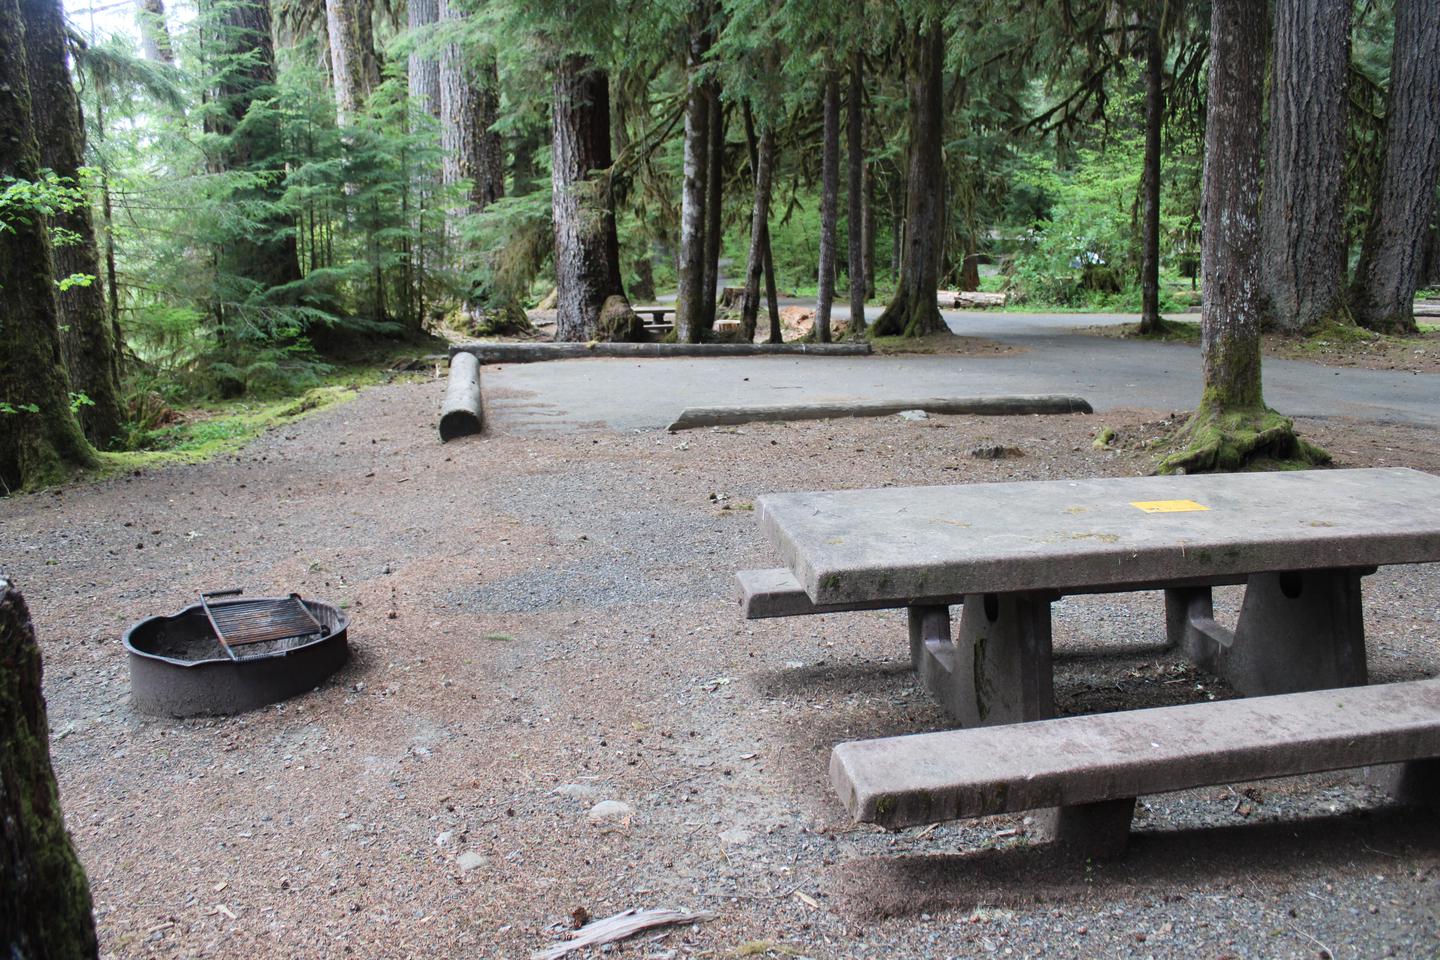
{"x": 995, "y": 451}
{"x": 735, "y": 836}
{"x": 443, "y": 838}
{"x": 470, "y": 860}
{"x": 610, "y": 810}
{"x": 577, "y": 790}
{"x": 913, "y": 415}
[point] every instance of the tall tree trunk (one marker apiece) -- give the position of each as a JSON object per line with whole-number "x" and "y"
{"x": 490, "y": 174}
{"x": 87, "y": 335}
{"x": 1154, "y": 118}
{"x": 354, "y": 68}
{"x": 867, "y": 231}
{"x": 39, "y": 435}
{"x": 855, "y": 192}
{"x": 45, "y": 906}
{"x": 590, "y": 302}
{"x": 772, "y": 297}
{"x": 829, "y": 204}
{"x": 914, "y": 311}
{"x": 466, "y": 112}
{"x": 1387, "y": 274}
{"x": 762, "y": 156}
{"x": 690, "y": 298}
{"x": 1230, "y": 323}
{"x": 1302, "y": 233}
{"x": 424, "y": 70}
{"x": 1232, "y": 426}
{"x": 154, "y": 34}
{"x": 263, "y": 254}
{"x": 714, "y": 173}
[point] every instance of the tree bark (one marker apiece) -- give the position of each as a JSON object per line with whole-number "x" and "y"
{"x": 914, "y": 311}
{"x": 1150, "y": 186}
{"x": 154, "y": 34}
{"x": 690, "y": 297}
{"x": 1230, "y": 320}
{"x": 714, "y": 182}
{"x": 1232, "y": 427}
{"x": 762, "y": 155}
{"x": 39, "y": 435}
{"x": 867, "y": 230}
{"x": 354, "y": 68}
{"x": 489, "y": 176}
{"x": 829, "y": 205}
{"x": 855, "y": 192}
{"x": 424, "y": 71}
{"x": 591, "y": 302}
{"x": 772, "y": 298}
{"x": 45, "y": 906}
{"x": 1387, "y": 274}
{"x": 87, "y": 334}
{"x": 1302, "y": 236}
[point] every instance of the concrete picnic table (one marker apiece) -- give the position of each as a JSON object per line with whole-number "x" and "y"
{"x": 1299, "y": 541}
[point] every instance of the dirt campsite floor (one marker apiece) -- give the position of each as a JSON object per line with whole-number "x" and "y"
{"x": 542, "y": 621}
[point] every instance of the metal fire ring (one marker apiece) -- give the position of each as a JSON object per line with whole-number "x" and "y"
{"x": 165, "y": 682}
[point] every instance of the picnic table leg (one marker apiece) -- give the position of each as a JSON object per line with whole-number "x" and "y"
{"x": 1300, "y": 630}
{"x": 998, "y": 670}
{"x": 1098, "y": 830}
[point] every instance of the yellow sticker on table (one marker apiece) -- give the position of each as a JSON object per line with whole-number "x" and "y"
{"x": 1168, "y": 506}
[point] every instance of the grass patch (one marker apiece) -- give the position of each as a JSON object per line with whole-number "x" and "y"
{"x": 220, "y": 428}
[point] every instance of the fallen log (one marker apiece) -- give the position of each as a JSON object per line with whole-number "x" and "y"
{"x": 694, "y": 417}
{"x": 535, "y": 352}
{"x": 45, "y": 906}
{"x": 460, "y": 414}
{"x": 960, "y": 299}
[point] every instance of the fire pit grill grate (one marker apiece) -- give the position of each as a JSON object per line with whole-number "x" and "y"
{"x": 241, "y": 622}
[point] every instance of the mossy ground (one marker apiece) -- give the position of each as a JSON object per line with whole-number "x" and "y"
{"x": 212, "y": 429}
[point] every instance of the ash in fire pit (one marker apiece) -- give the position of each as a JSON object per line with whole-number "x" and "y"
{"x": 223, "y": 657}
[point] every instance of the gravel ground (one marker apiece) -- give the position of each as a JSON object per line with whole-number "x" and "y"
{"x": 542, "y": 621}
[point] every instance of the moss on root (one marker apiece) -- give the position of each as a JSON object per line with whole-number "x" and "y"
{"x": 1215, "y": 440}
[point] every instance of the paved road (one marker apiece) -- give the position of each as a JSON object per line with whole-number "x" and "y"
{"x": 1109, "y": 372}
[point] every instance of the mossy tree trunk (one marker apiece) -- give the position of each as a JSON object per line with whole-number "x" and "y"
{"x": 1232, "y": 427}
{"x": 714, "y": 198}
{"x": 354, "y": 67}
{"x": 1150, "y": 187}
{"x": 762, "y": 165}
{"x": 914, "y": 311}
{"x": 690, "y": 297}
{"x": 45, "y": 906}
{"x": 1387, "y": 274}
{"x": 590, "y": 302}
{"x": 39, "y": 436}
{"x": 92, "y": 355}
{"x": 855, "y": 191}
{"x": 154, "y": 33}
{"x": 1302, "y": 237}
{"x": 829, "y": 204}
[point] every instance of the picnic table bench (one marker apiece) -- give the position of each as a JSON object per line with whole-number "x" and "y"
{"x": 657, "y": 316}
{"x": 1299, "y": 541}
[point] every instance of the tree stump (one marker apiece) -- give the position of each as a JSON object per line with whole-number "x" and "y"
{"x": 45, "y": 908}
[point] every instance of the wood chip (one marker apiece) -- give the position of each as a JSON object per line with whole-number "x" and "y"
{"x": 806, "y": 899}
{"x": 627, "y": 923}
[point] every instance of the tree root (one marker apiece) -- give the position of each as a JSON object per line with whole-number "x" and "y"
{"x": 909, "y": 317}
{"x": 1217, "y": 441}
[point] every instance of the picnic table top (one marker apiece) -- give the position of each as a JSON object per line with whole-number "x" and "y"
{"x": 912, "y": 543}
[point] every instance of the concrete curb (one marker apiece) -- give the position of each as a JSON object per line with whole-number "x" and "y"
{"x": 536, "y": 352}
{"x": 693, "y": 417}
